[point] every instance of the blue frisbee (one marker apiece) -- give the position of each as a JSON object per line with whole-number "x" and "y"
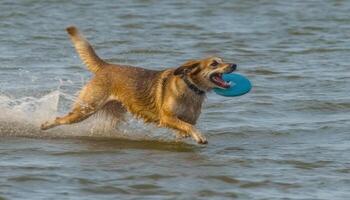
{"x": 240, "y": 85}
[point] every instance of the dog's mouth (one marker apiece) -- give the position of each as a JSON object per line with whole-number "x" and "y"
{"x": 216, "y": 78}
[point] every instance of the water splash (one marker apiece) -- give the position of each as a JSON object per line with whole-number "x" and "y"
{"x": 23, "y": 117}
{"x": 29, "y": 109}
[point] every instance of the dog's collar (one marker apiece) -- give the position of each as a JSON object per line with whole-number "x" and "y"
{"x": 193, "y": 87}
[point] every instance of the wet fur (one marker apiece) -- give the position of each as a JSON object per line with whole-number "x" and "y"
{"x": 160, "y": 97}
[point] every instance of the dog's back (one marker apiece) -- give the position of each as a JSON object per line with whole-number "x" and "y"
{"x": 138, "y": 89}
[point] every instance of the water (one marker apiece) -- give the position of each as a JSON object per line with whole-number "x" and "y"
{"x": 287, "y": 139}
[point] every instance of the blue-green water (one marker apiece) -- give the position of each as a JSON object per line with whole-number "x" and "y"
{"x": 288, "y": 138}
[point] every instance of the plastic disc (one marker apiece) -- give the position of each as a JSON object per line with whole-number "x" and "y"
{"x": 240, "y": 85}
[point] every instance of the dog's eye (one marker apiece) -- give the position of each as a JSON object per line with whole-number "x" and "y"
{"x": 214, "y": 63}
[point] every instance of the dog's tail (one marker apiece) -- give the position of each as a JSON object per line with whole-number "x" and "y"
{"x": 85, "y": 50}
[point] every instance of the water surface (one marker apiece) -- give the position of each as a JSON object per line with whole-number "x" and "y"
{"x": 287, "y": 139}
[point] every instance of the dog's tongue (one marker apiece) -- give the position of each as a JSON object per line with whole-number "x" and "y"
{"x": 220, "y": 82}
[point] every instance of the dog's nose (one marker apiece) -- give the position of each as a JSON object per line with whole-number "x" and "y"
{"x": 233, "y": 66}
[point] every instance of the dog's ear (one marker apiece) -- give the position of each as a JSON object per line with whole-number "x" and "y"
{"x": 186, "y": 67}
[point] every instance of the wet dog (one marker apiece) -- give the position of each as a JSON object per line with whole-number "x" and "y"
{"x": 171, "y": 98}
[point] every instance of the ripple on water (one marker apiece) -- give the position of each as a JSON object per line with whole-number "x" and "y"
{"x": 150, "y": 189}
{"x": 262, "y": 71}
{"x": 150, "y": 177}
{"x": 27, "y": 178}
{"x": 254, "y": 184}
{"x": 344, "y": 170}
{"x": 212, "y": 193}
{"x": 130, "y": 16}
{"x": 225, "y": 179}
{"x": 144, "y": 186}
{"x": 268, "y": 183}
{"x": 84, "y": 181}
{"x": 181, "y": 26}
{"x": 106, "y": 189}
{"x": 133, "y": 26}
{"x": 148, "y": 51}
{"x": 32, "y": 168}
{"x": 305, "y": 165}
{"x": 321, "y": 105}
{"x": 317, "y": 50}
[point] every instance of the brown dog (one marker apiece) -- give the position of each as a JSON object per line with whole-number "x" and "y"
{"x": 171, "y": 98}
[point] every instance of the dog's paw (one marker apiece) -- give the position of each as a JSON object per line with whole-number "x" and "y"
{"x": 46, "y": 126}
{"x": 200, "y": 139}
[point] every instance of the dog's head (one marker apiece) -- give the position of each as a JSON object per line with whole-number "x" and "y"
{"x": 206, "y": 73}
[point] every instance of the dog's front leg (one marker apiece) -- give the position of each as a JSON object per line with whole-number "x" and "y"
{"x": 179, "y": 125}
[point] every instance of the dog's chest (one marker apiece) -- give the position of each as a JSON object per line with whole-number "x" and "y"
{"x": 189, "y": 110}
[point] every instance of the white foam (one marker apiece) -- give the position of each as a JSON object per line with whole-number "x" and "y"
{"x": 29, "y": 109}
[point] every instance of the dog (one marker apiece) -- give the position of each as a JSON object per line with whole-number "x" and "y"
{"x": 170, "y": 98}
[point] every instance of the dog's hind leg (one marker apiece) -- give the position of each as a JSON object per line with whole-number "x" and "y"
{"x": 92, "y": 98}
